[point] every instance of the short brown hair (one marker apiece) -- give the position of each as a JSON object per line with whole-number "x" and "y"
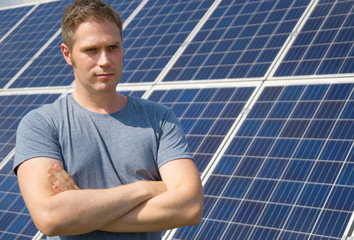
{"x": 80, "y": 11}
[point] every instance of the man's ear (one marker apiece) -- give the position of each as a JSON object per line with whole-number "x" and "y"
{"x": 66, "y": 53}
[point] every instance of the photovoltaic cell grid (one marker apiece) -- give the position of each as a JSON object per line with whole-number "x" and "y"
{"x": 15, "y": 220}
{"x": 325, "y": 44}
{"x": 9, "y": 17}
{"x": 206, "y": 116}
{"x": 12, "y": 109}
{"x": 25, "y": 41}
{"x": 50, "y": 68}
{"x": 239, "y": 40}
{"x": 156, "y": 34}
{"x": 288, "y": 173}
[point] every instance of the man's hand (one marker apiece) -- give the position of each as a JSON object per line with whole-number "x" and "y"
{"x": 61, "y": 181}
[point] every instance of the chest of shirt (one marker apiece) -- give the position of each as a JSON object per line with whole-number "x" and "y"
{"x": 109, "y": 152}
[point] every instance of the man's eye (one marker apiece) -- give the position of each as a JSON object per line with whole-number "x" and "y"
{"x": 90, "y": 50}
{"x": 113, "y": 47}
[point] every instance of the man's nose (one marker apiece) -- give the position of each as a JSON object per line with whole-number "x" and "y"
{"x": 104, "y": 59}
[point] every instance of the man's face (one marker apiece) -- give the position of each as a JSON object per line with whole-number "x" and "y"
{"x": 96, "y": 57}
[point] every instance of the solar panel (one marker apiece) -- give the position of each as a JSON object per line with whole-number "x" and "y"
{"x": 325, "y": 43}
{"x": 240, "y": 40}
{"x": 287, "y": 172}
{"x": 275, "y": 151}
{"x": 9, "y": 17}
{"x": 206, "y": 115}
{"x": 28, "y": 38}
{"x": 156, "y": 34}
{"x": 49, "y": 69}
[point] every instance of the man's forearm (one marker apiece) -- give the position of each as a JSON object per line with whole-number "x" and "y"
{"x": 86, "y": 210}
{"x": 81, "y": 211}
{"x": 180, "y": 205}
{"x": 174, "y": 208}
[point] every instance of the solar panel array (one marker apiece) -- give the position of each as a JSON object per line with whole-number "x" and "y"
{"x": 264, "y": 91}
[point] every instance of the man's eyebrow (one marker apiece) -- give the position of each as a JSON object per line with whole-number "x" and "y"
{"x": 116, "y": 43}
{"x": 96, "y": 45}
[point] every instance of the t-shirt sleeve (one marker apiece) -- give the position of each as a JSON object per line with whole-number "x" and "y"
{"x": 173, "y": 143}
{"x": 35, "y": 137}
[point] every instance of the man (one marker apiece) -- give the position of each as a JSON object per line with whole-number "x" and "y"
{"x": 128, "y": 171}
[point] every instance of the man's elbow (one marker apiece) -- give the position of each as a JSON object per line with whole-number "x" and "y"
{"x": 195, "y": 210}
{"x": 47, "y": 224}
{"x": 196, "y": 214}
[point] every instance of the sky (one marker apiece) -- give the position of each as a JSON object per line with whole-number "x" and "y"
{"x": 7, "y": 3}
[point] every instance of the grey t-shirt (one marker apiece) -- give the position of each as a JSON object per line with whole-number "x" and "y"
{"x": 103, "y": 150}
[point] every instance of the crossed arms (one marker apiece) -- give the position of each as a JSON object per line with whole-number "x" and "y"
{"x": 59, "y": 207}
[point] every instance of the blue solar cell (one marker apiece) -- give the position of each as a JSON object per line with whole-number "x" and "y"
{"x": 305, "y": 110}
{"x": 319, "y": 129}
{"x": 223, "y": 208}
{"x": 286, "y": 192}
{"x": 272, "y": 168}
{"x": 339, "y": 198}
{"x": 293, "y": 235}
{"x": 302, "y": 219}
{"x": 331, "y": 223}
{"x": 312, "y": 195}
{"x": 335, "y": 150}
{"x": 214, "y": 230}
{"x": 237, "y": 231}
{"x": 260, "y": 147}
{"x": 236, "y": 187}
{"x": 294, "y": 128}
{"x": 273, "y": 215}
{"x": 249, "y": 167}
{"x": 282, "y": 110}
{"x": 260, "y": 110}
{"x": 250, "y": 128}
{"x": 261, "y": 190}
{"x": 298, "y": 170}
{"x": 227, "y": 165}
{"x": 248, "y": 212}
{"x": 309, "y": 149}
{"x": 346, "y": 176}
{"x": 284, "y": 148}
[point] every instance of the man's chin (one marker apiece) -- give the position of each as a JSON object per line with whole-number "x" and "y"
{"x": 106, "y": 88}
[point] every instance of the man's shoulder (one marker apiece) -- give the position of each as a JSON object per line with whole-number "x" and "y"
{"x": 49, "y": 110}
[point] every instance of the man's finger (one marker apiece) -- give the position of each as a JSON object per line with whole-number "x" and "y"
{"x": 66, "y": 181}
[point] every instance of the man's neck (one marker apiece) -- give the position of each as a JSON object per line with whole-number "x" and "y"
{"x": 101, "y": 103}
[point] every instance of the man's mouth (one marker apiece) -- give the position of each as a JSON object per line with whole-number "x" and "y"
{"x": 105, "y": 75}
